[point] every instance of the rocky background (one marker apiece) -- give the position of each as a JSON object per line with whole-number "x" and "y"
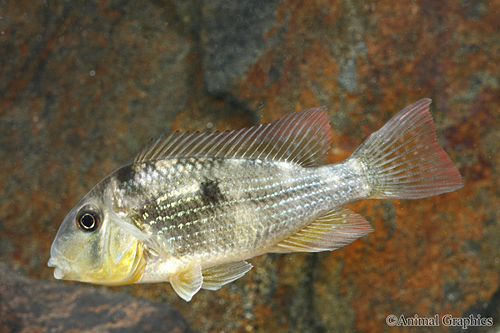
{"x": 85, "y": 83}
{"x": 31, "y": 306}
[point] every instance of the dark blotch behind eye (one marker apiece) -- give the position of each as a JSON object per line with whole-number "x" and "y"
{"x": 88, "y": 219}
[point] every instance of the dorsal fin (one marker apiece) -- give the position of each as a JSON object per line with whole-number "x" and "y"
{"x": 302, "y": 137}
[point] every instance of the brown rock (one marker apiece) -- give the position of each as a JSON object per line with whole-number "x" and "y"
{"x": 33, "y": 306}
{"x": 85, "y": 84}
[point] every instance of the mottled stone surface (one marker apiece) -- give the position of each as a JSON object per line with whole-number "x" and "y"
{"x": 29, "y": 305}
{"x": 85, "y": 84}
{"x": 233, "y": 39}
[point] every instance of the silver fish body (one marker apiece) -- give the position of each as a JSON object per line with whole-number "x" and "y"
{"x": 204, "y": 207}
{"x": 193, "y": 207}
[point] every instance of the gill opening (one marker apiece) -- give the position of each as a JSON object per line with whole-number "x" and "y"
{"x": 129, "y": 269}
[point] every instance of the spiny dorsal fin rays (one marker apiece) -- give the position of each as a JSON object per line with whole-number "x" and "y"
{"x": 218, "y": 138}
{"x": 187, "y": 140}
{"x": 287, "y": 145}
{"x": 302, "y": 137}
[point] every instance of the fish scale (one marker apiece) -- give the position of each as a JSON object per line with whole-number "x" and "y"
{"x": 258, "y": 198}
{"x": 193, "y": 207}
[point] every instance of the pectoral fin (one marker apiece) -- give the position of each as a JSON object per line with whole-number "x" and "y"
{"x": 215, "y": 277}
{"x": 335, "y": 229}
{"x": 187, "y": 282}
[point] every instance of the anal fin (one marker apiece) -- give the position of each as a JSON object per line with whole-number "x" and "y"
{"x": 335, "y": 229}
{"x": 187, "y": 282}
{"x": 215, "y": 277}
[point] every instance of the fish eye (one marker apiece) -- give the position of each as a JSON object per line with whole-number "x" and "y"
{"x": 88, "y": 219}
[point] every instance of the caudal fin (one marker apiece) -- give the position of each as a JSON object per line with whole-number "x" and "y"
{"x": 404, "y": 158}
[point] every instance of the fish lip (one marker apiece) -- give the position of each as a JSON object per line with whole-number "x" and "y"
{"x": 52, "y": 262}
{"x": 60, "y": 267}
{"x": 59, "y": 273}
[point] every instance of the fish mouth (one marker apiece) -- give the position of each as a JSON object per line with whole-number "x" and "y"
{"x": 59, "y": 265}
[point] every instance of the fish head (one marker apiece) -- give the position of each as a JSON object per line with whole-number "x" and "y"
{"x": 92, "y": 247}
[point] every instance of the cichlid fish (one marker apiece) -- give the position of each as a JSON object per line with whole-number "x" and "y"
{"x": 192, "y": 207}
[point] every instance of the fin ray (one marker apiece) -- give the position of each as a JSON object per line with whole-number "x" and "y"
{"x": 335, "y": 229}
{"x": 215, "y": 277}
{"x": 406, "y": 160}
{"x": 302, "y": 137}
{"x": 187, "y": 282}
{"x": 148, "y": 240}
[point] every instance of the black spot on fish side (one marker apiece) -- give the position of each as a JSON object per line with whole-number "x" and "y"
{"x": 123, "y": 175}
{"x": 210, "y": 192}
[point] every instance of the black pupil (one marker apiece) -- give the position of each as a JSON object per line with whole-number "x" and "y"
{"x": 87, "y": 221}
{"x": 88, "y": 218}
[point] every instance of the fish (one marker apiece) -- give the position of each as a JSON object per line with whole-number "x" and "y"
{"x": 193, "y": 207}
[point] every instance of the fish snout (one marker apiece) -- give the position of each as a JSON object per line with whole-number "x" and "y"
{"x": 60, "y": 267}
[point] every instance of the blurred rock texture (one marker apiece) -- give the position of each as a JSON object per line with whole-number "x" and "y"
{"x": 31, "y": 306}
{"x": 85, "y": 83}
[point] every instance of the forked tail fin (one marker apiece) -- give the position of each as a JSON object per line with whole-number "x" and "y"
{"x": 404, "y": 159}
